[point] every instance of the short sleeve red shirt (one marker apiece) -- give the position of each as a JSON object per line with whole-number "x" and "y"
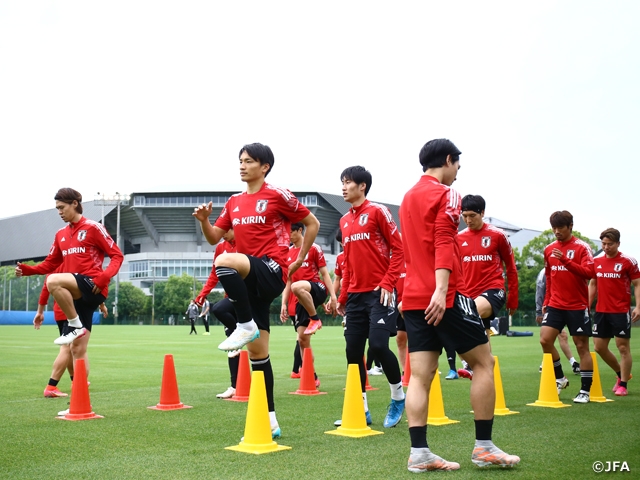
{"x": 614, "y": 277}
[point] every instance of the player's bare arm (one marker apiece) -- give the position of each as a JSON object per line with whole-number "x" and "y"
{"x": 635, "y": 314}
{"x": 438, "y": 304}
{"x": 312, "y": 226}
{"x": 212, "y": 233}
{"x": 39, "y": 318}
{"x": 330, "y": 306}
{"x": 284, "y": 309}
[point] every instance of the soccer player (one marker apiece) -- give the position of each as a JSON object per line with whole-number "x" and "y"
{"x": 204, "y": 315}
{"x": 373, "y": 262}
{"x": 257, "y": 273}
{"x": 568, "y": 264}
{"x": 436, "y": 312}
{"x": 563, "y": 340}
{"x": 615, "y": 272}
{"x": 79, "y": 247}
{"x": 192, "y": 312}
{"x": 485, "y": 252}
{"x": 305, "y": 290}
{"x": 222, "y": 310}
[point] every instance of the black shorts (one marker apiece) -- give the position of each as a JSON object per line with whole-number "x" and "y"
{"x": 460, "y": 329}
{"x": 364, "y": 312}
{"x": 87, "y": 304}
{"x": 62, "y": 324}
{"x": 400, "y": 326}
{"x": 577, "y": 321}
{"x": 264, "y": 284}
{"x": 609, "y": 325}
{"x": 318, "y": 295}
{"x": 496, "y": 298}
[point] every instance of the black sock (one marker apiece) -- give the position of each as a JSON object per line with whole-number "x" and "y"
{"x": 586, "y": 376}
{"x": 54, "y": 383}
{"x": 314, "y": 317}
{"x": 297, "y": 358}
{"x": 264, "y": 365}
{"x": 237, "y": 291}
{"x": 623, "y": 384}
{"x": 557, "y": 368}
{"x": 418, "y": 437}
{"x": 483, "y": 429}
{"x": 71, "y": 377}
{"x": 618, "y": 374}
{"x": 233, "y": 369}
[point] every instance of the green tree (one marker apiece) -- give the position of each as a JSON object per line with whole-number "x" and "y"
{"x": 131, "y": 300}
{"x": 531, "y": 261}
{"x": 14, "y": 291}
{"x": 178, "y": 292}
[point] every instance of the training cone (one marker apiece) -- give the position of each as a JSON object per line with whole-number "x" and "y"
{"x": 307, "y": 377}
{"x": 367, "y": 385}
{"x": 257, "y": 430}
{"x": 596, "y": 386}
{"x": 169, "y": 396}
{"x": 80, "y": 406}
{"x": 501, "y": 407}
{"x": 435, "y": 414}
{"x": 548, "y": 395}
{"x": 354, "y": 422}
{"x": 407, "y": 371}
{"x": 243, "y": 381}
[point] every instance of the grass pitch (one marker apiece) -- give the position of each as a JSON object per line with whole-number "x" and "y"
{"x": 132, "y": 442}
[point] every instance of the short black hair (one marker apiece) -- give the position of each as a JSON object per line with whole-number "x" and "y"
{"x": 561, "y": 219}
{"x": 358, "y": 175}
{"x": 474, "y": 203}
{"x": 259, "y": 152}
{"x": 68, "y": 195}
{"x": 297, "y": 226}
{"x": 434, "y": 153}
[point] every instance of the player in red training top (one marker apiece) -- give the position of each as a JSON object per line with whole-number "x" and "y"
{"x": 614, "y": 273}
{"x": 306, "y": 290}
{"x": 436, "y": 313}
{"x": 566, "y": 300}
{"x": 485, "y": 252}
{"x": 64, "y": 360}
{"x": 257, "y": 273}
{"x": 79, "y": 250}
{"x": 373, "y": 262}
{"x": 223, "y": 310}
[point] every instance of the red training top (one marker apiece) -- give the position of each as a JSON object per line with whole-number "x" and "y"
{"x": 566, "y": 284}
{"x": 613, "y": 280}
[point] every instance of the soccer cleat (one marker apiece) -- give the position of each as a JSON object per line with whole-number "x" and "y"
{"x": 575, "y": 366}
{"x": 485, "y": 456}
{"x": 561, "y": 383}
{"x": 465, "y": 373}
{"x": 207, "y": 333}
{"x": 367, "y": 416}
{"x": 394, "y": 413}
{"x": 70, "y": 336}
{"x": 453, "y": 375}
{"x": 375, "y": 371}
{"x": 317, "y": 383}
{"x": 540, "y": 369}
{"x": 295, "y": 374}
{"x": 582, "y": 397}
{"x": 314, "y": 326}
{"x": 427, "y": 461}
{"x": 615, "y": 387}
{"x": 234, "y": 353}
{"x": 228, "y": 393}
{"x": 621, "y": 392}
{"x": 63, "y": 413}
{"x": 275, "y": 433}
{"x": 54, "y": 393}
{"x": 239, "y": 338}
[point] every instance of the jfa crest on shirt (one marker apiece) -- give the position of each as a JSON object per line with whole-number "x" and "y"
{"x": 617, "y": 267}
{"x": 571, "y": 254}
{"x": 82, "y": 234}
{"x": 486, "y": 242}
{"x": 261, "y": 205}
{"x": 364, "y": 218}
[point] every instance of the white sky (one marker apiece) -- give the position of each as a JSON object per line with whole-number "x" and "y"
{"x": 541, "y": 97}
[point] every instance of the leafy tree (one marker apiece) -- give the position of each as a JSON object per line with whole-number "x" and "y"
{"x": 178, "y": 292}
{"x": 131, "y": 300}
{"x": 13, "y": 290}
{"x": 531, "y": 261}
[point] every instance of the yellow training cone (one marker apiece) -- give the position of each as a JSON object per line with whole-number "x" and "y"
{"x": 257, "y": 430}
{"x": 596, "y": 386}
{"x": 548, "y": 395}
{"x": 501, "y": 407}
{"x": 354, "y": 422}
{"x": 435, "y": 414}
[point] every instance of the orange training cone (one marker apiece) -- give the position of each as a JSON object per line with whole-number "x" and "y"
{"x": 548, "y": 393}
{"x": 435, "y": 414}
{"x": 596, "y": 386}
{"x": 354, "y": 422}
{"x": 257, "y": 430}
{"x": 243, "y": 381}
{"x": 80, "y": 406}
{"x": 407, "y": 371}
{"x": 501, "y": 407}
{"x": 307, "y": 378}
{"x": 367, "y": 385}
{"x": 169, "y": 396}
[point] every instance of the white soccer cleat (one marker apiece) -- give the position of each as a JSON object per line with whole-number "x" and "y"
{"x": 234, "y": 353}
{"x": 422, "y": 460}
{"x": 562, "y": 383}
{"x": 582, "y": 397}
{"x": 228, "y": 393}
{"x": 239, "y": 338}
{"x": 69, "y": 337}
{"x": 485, "y": 456}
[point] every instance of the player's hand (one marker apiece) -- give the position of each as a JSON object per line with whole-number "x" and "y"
{"x": 556, "y": 252}
{"x": 295, "y": 266}
{"x": 103, "y": 310}
{"x": 203, "y": 211}
{"x": 284, "y": 313}
{"x": 331, "y": 306}
{"x": 539, "y": 319}
{"x": 437, "y": 306}
{"x": 635, "y": 315}
{"x": 200, "y": 300}
{"x": 544, "y": 310}
{"x": 326, "y": 307}
{"x": 37, "y": 320}
{"x": 385, "y": 295}
{"x": 18, "y": 269}
{"x": 340, "y": 309}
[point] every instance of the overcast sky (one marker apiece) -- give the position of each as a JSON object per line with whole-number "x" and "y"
{"x": 129, "y": 96}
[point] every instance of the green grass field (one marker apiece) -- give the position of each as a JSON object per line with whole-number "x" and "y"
{"x": 133, "y": 442}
